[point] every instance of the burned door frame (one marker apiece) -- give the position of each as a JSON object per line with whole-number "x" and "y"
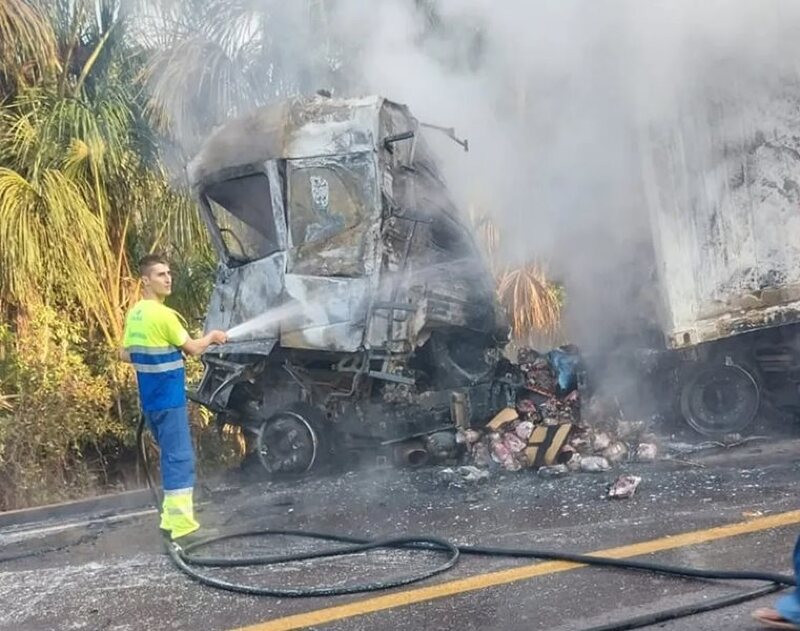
{"x": 340, "y": 321}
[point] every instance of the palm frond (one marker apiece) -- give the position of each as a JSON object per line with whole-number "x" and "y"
{"x": 23, "y": 235}
{"x": 28, "y": 50}
{"x": 487, "y": 233}
{"x": 222, "y": 57}
{"x": 532, "y": 302}
{"x": 47, "y": 221}
{"x": 193, "y": 87}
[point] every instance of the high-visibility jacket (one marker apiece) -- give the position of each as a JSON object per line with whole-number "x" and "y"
{"x": 153, "y": 337}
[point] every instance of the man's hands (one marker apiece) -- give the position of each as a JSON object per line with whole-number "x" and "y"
{"x": 218, "y": 337}
{"x": 195, "y": 347}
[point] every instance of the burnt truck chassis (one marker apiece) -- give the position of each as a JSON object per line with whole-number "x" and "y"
{"x": 403, "y": 345}
{"x": 300, "y": 412}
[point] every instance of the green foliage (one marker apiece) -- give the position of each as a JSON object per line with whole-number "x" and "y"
{"x": 60, "y": 413}
{"x": 206, "y": 68}
{"x": 27, "y": 46}
{"x": 83, "y": 194}
{"x": 81, "y": 182}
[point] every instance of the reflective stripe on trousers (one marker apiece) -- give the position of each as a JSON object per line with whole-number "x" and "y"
{"x": 177, "y": 513}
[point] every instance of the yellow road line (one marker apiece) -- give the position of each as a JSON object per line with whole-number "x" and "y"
{"x": 502, "y": 577}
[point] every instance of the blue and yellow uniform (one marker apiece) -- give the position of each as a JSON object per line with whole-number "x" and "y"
{"x": 153, "y": 338}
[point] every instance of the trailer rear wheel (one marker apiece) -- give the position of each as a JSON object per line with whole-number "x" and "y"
{"x": 719, "y": 399}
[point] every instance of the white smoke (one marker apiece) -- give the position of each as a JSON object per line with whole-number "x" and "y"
{"x": 554, "y": 96}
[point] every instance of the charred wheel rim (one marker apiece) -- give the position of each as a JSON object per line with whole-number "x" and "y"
{"x": 720, "y": 400}
{"x": 287, "y": 444}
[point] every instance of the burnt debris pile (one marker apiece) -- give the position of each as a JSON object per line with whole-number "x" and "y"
{"x": 551, "y": 428}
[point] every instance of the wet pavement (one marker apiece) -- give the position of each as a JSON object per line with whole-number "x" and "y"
{"x": 117, "y": 577}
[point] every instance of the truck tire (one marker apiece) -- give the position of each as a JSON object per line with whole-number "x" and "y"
{"x": 291, "y": 441}
{"x": 718, "y": 398}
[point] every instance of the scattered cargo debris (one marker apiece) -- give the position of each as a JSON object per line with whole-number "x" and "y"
{"x": 459, "y": 476}
{"x": 553, "y": 471}
{"x": 624, "y": 487}
{"x": 549, "y": 431}
{"x": 616, "y": 451}
{"x": 646, "y": 452}
{"x": 601, "y": 441}
{"x": 574, "y": 462}
{"x": 594, "y": 464}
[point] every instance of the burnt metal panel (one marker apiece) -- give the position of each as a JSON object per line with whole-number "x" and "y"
{"x": 723, "y": 190}
{"x": 242, "y": 293}
{"x": 332, "y": 314}
{"x": 297, "y": 128}
{"x": 334, "y": 215}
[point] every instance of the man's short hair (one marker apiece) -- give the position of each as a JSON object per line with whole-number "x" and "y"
{"x": 148, "y": 261}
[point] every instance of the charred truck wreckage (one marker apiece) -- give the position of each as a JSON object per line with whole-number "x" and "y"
{"x": 368, "y": 324}
{"x": 362, "y": 316}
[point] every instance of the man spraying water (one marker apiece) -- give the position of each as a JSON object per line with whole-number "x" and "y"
{"x": 153, "y": 340}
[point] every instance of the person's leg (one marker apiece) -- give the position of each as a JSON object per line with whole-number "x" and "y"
{"x": 171, "y": 429}
{"x": 155, "y": 423}
{"x": 786, "y": 614}
{"x": 789, "y": 606}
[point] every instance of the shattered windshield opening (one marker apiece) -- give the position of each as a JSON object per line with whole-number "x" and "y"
{"x": 242, "y": 211}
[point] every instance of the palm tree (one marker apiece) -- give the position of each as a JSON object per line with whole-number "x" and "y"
{"x": 27, "y": 46}
{"x": 81, "y": 186}
{"x": 532, "y": 301}
{"x": 214, "y": 59}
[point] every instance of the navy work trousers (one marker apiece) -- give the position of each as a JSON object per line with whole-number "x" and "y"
{"x": 171, "y": 430}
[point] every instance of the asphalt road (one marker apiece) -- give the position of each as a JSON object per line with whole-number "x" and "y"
{"x": 117, "y": 577}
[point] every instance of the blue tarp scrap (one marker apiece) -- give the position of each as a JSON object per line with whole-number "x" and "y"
{"x": 565, "y": 364}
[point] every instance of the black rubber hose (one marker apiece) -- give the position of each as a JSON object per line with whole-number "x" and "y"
{"x": 184, "y": 560}
{"x": 359, "y": 543}
{"x": 629, "y": 564}
{"x": 357, "y": 546}
{"x": 687, "y": 610}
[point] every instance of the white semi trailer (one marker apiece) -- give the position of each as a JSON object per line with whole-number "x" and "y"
{"x": 722, "y": 185}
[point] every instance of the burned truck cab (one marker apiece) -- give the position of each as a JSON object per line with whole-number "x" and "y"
{"x": 357, "y": 302}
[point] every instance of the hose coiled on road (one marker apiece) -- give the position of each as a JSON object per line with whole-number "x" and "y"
{"x": 188, "y": 563}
